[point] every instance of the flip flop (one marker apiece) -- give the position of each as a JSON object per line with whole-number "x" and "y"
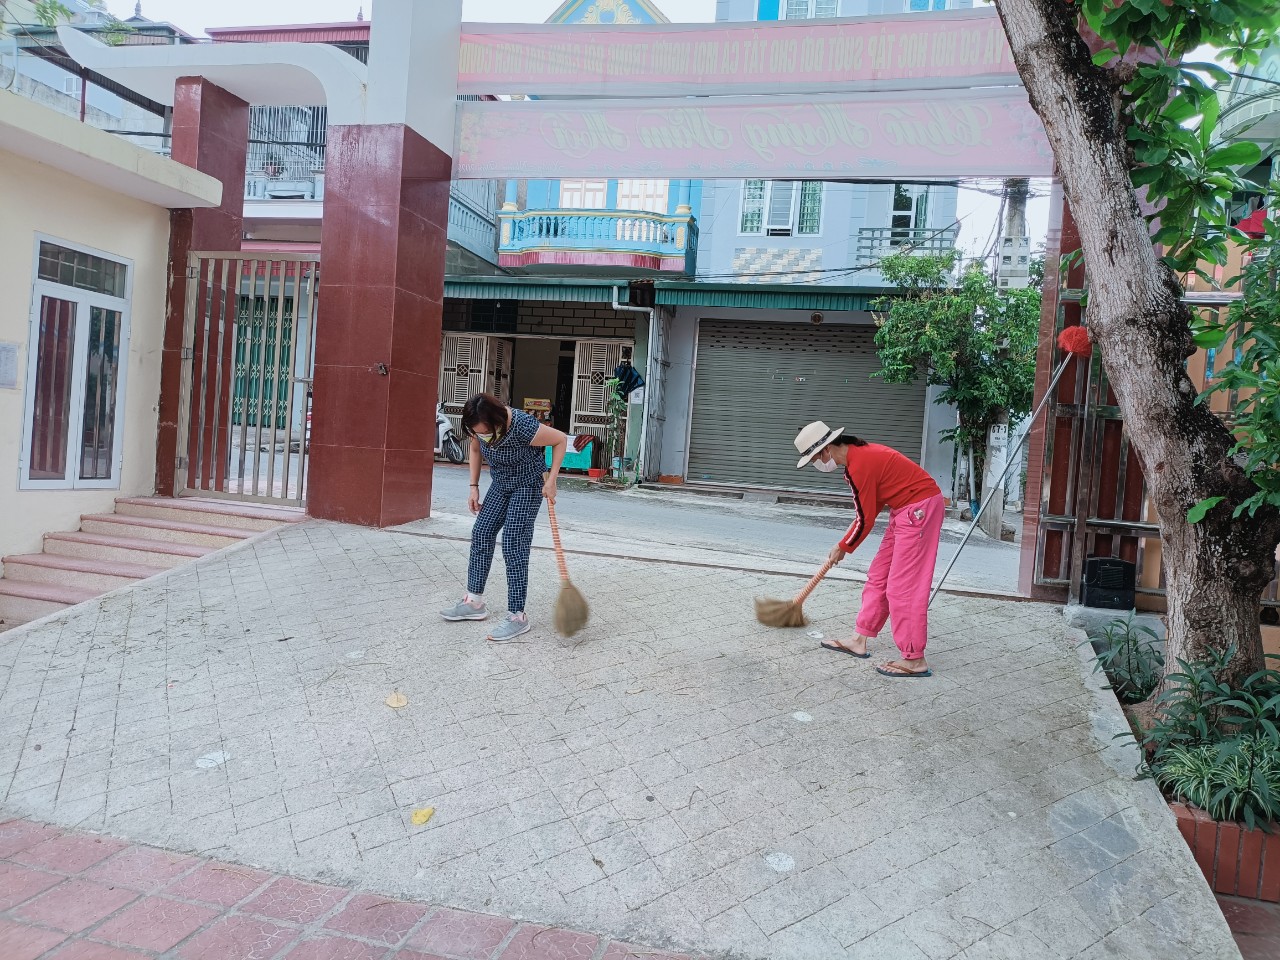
{"x": 845, "y": 650}
{"x": 904, "y": 674}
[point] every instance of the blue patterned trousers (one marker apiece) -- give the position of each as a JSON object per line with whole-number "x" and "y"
{"x": 512, "y": 510}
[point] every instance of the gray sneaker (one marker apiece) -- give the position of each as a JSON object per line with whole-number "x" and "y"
{"x": 510, "y": 628}
{"x": 462, "y": 610}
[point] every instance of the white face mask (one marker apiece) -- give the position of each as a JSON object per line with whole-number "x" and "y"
{"x": 825, "y": 466}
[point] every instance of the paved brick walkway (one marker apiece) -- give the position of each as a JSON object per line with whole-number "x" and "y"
{"x": 676, "y": 776}
{"x": 1256, "y": 926}
{"x": 66, "y": 895}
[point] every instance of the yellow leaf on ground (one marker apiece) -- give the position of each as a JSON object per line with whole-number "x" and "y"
{"x": 422, "y": 816}
{"x": 397, "y": 700}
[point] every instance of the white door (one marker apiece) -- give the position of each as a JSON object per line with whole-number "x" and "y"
{"x": 498, "y": 381}
{"x": 464, "y": 371}
{"x": 594, "y": 363}
{"x": 76, "y": 363}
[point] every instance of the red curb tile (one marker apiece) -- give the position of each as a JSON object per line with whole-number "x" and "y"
{"x": 243, "y": 938}
{"x": 18, "y": 835}
{"x": 219, "y": 884}
{"x": 19, "y": 884}
{"x": 626, "y": 951}
{"x": 454, "y": 932}
{"x": 70, "y": 853}
{"x": 335, "y": 948}
{"x": 26, "y": 943}
{"x": 295, "y": 900}
{"x": 1269, "y": 889}
{"x": 1251, "y": 863}
{"x": 1228, "y": 859}
{"x": 141, "y": 868}
{"x": 85, "y": 950}
{"x": 550, "y": 943}
{"x": 377, "y": 918}
{"x": 74, "y": 905}
{"x": 155, "y": 923}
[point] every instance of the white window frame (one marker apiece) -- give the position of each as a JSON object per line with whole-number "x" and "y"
{"x": 793, "y": 228}
{"x": 85, "y": 300}
{"x": 653, "y": 193}
{"x": 918, "y": 192}
{"x": 811, "y": 13}
{"x": 585, "y": 186}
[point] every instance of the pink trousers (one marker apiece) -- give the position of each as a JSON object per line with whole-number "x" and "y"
{"x": 901, "y": 577}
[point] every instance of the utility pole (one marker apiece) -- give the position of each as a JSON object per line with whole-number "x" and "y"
{"x": 1013, "y": 258}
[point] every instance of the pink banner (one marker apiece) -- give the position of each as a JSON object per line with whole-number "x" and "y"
{"x": 886, "y": 136}
{"x": 962, "y": 48}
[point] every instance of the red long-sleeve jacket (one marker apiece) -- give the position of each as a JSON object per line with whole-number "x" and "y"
{"x": 881, "y": 477}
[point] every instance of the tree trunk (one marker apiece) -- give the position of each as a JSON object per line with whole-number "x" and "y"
{"x": 1215, "y": 571}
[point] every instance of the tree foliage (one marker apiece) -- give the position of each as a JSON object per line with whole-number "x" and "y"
{"x": 1169, "y": 106}
{"x": 969, "y": 337}
{"x": 1252, "y": 376}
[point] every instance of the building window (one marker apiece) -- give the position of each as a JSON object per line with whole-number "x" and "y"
{"x": 583, "y": 194}
{"x": 811, "y": 9}
{"x": 910, "y": 211}
{"x": 75, "y": 370}
{"x": 920, "y": 6}
{"x": 781, "y": 208}
{"x": 650, "y": 195}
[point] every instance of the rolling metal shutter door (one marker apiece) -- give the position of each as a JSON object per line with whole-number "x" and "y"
{"x": 757, "y": 384}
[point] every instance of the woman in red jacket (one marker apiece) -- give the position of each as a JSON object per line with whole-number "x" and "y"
{"x": 901, "y": 574}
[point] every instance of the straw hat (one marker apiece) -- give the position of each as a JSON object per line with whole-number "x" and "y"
{"x": 811, "y": 440}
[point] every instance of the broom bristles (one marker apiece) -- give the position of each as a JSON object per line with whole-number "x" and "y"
{"x": 780, "y": 613}
{"x": 571, "y": 610}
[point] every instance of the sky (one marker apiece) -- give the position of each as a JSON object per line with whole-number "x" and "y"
{"x": 977, "y": 210}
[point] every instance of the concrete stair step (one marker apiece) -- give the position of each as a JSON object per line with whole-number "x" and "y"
{"x": 165, "y": 531}
{"x": 222, "y": 513}
{"x": 22, "y": 602}
{"x": 152, "y": 553}
{"x": 100, "y": 576}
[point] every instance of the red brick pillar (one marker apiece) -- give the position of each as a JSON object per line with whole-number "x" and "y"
{"x": 378, "y": 329}
{"x": 211, "y": 134}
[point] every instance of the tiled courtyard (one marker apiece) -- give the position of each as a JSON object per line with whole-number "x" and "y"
{"x": 677, "y": 776}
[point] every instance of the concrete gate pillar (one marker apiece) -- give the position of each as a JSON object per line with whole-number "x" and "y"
{"x": 382, "y": 281}
{"x": 211, "y": 134}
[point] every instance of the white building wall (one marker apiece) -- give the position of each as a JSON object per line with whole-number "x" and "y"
{"x": 37, "y": 199}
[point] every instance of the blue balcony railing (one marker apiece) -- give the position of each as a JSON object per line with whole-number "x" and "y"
{"x": 646, "y": 242}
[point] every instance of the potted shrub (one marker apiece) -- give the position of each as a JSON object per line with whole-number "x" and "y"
{"x": 1225, "y": 794}
{"x": 616, "y": 431}
{"x": 1214, "y": 751}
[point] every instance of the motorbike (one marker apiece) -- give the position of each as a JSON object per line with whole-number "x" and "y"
{"x": 448, "y": 443}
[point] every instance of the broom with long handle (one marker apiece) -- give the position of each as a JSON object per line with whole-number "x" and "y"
{"x": 571, "y": 610}
{"x": 790, "y": 613}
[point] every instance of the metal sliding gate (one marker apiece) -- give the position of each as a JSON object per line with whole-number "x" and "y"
{"x": 248, "y": 352}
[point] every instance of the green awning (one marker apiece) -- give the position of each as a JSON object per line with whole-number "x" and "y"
{"x": 761, "y": 296}
{"x": 766, "y": 296}
{"x": 532, "y": 288}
